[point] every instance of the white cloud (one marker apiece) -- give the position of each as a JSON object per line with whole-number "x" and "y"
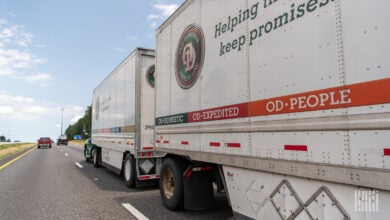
{"x": 153, "y": 25}
{"x": 165, "y": 9}
{"x": 6, "y": 110}
{"x": 34, "y": 109}
{"x": 16, "y": 60}
{"x": 42, "y": 78}
{"x": 152, "y": 17}
{"x": 76, "y": 118}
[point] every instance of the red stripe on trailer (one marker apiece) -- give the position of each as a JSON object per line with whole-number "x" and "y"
{"x": 148, "y": 148}
{"x": 184, "y": 142}
{"x": 386, "y": 151}
{"x": 158, "y": 141}
{"x": 146, "y": 177}
{"x": 296, "y": 147}
{"x": 215, "y": 144}
{"x": 166, "y": 142}
{"x": 236, "y": 145}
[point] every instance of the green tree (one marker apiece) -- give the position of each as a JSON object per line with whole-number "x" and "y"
{"x": 2, "y": 138}
{"x": 82, "y": 126}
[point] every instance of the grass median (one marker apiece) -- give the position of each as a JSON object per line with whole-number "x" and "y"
{"x": 79, "y": 143}
{"x": 7, "y": 150}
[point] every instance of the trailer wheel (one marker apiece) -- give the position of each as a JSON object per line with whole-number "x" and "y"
{"x": 95, "y": 155}
{"x": 171, "y": 183}
{"x": 129, "y": 171}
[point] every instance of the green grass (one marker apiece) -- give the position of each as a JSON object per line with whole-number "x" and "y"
{"x": 77, "y": 142}
{"x": 7, "y": 150}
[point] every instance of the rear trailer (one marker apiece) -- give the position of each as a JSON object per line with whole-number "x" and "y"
{"x": 283, "y": 104}
{"x": 123, "y": 120}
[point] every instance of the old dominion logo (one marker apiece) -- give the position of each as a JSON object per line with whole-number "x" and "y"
{"x": 189, "y": 56}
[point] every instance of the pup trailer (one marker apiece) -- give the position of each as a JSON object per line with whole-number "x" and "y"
{"x": 284, "y": 105}
{"x": 122, "y": 137}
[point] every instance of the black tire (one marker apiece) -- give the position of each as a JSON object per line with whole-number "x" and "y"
{"x": 171, "y": 183}
{"x": 49, "y": 146}
{"x": 129, "y": 171}
{"x": 96, "y": 157}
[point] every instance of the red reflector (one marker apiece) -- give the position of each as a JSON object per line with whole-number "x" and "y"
{"x": 295, "y": 147}
{"x": 188, "y": 174}
{"x": 237, "y": 145}
{"x": 206, "y": 168}
{"x": 149, "y": 154}
{"x": 166, "y": 142}
{"x": 158, "y": 141}
{"x": 148, "y": 148}
{"x": 184, "y": 143}
{"x": 143, "y": 154}
{"x": 386, "y": 151}
{"x": 215, "y": 144}
{"x": 144, "y": 177}
{"x": 157, "y": 176}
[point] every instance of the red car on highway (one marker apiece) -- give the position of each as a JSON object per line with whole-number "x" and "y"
{"x": 44, "y": 142}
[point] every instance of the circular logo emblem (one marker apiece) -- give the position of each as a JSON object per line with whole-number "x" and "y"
{"x": 189, "y": 56}
{"x": 150, "y": 78}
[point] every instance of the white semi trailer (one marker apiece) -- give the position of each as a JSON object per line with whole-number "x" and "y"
{"x": 285, "y": 105}
{"x": 123, "y": 120}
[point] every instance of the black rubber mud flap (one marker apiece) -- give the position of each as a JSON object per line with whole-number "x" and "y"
{"x": 198, "y": 190}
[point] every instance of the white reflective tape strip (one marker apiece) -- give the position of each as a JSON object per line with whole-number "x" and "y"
{"x": 134, "y": 211}
{"x": 79, "y": 165}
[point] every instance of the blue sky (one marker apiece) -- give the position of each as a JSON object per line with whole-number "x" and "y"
{"x": 54, "y": 53}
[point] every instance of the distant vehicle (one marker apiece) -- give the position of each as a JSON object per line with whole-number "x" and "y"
{"x": 44, "y": 142}
{"x": 62, "y": 140}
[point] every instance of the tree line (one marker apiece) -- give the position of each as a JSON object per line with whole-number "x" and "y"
{"x": 82, "y": 126}
{"x": 3, "y": 139}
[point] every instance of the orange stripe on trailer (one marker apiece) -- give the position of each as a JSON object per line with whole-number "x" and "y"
{"x": 360, "y": 94}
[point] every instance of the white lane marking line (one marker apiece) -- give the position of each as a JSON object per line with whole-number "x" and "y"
{"x": 66, "y": 154}
{"x": 134, "y": 211}
{"x": 79, "y": 165}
